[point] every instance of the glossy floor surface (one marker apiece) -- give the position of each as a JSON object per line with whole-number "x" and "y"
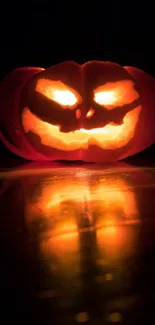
{"x": 77, "y": 244}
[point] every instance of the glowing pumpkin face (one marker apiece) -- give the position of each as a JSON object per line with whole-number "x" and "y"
{"x": 93, "y": 112}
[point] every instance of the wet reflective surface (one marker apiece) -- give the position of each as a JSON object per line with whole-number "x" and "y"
{"x": 77, "y": 244}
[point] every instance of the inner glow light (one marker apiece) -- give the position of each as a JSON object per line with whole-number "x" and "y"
{"x": 105, "y": 97}
{"x": 111, "y": 136}
{"x": 114, "y": 94}
{"x": 63, "y": 97}
{"x": 58, "y": 92}
{"x": 90, "y": 113}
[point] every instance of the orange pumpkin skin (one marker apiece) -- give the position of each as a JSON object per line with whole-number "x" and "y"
{"x": 97, "y": 112}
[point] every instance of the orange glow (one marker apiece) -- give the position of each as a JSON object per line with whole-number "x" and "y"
{"x": 78, "y": 114}
{"x": 116, "y": 242}
{"x": 64, "y": 243}
{"x": 90, "y": 113}
{"x": 63, "y": 206}
{"x": 113, "y": 201}
{"x": 60, "y": 202}
{"x": 111, "y": 136}
{"x": 64, "y": 203}
{"x": 114, "y": 94}
{"x": 59, "y": 207}
{"x": 64, "y": 250}
{"x": 58, "y": 92}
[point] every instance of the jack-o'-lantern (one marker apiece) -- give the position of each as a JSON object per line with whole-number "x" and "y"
{"x": 99, "y": 111}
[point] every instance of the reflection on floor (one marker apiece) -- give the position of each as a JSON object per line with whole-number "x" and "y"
{"x": 78, "y": 243}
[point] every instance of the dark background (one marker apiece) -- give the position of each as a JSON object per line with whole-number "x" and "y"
{"x": 43, "y": 33}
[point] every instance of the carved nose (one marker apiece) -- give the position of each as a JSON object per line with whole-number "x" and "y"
{"x": 78, "y": 114}
{"x": 90, "y": 113}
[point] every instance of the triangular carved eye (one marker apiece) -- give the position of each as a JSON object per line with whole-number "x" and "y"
{"x": 114, "y": 94}
{"x": 59, "y": 93}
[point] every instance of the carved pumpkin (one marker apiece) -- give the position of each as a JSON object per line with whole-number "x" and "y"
{"x": 99, "y": 111}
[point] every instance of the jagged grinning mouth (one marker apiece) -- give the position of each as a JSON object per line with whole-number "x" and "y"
{"x": 110, "y": 136}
